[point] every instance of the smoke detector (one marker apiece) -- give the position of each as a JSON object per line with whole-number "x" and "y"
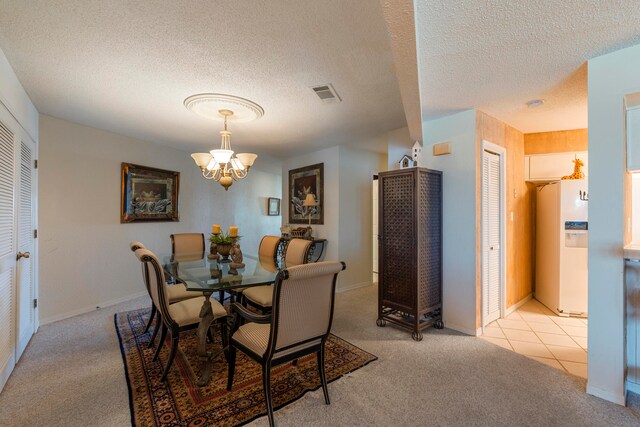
{"x": 327, "y": 93}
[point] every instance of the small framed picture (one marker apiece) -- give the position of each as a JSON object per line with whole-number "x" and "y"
{"x": 273, "y": 206}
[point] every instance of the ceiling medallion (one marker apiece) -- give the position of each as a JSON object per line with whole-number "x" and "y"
{"x": 221, "y": 165}
{"x": 209, "y": 105}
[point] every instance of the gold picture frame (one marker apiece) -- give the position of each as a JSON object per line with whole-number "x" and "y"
{"x": 148, "y": 194}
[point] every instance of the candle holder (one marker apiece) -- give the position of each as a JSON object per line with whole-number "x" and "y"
{"x": 236, "y": 254}
{"x": 213, "y": 247}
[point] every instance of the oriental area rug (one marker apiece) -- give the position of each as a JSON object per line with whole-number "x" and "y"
{"x": 180, "y": 402}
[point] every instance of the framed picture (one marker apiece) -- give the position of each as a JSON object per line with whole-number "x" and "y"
{"x": 303, "y": 181}
{"x": 148, "y": 194}
{"x": 273, "y": 206}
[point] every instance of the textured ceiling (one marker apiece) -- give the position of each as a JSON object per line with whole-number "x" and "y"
{"x": 400, "y": 19}
{"x": 498, "y": 54}
{"x": 127, "y": 66}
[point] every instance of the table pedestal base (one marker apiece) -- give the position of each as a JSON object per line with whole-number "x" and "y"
{"x": 206, "y": 357}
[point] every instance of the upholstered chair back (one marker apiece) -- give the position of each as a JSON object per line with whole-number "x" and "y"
{"x": 297, "y": 252}
{"x": 268, "y": 247}
{"x": 155, "y": 280}
{"x": 268, "y": 263}
{"x": 187, "y": 247}
{"x": 134, "y": 246}
{"x": 303, "y": 303}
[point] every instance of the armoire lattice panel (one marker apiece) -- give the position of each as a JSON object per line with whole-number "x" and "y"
{"x": 410, "y": 248}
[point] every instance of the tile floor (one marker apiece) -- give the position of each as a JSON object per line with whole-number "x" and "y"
{"x": 536, "y": 332}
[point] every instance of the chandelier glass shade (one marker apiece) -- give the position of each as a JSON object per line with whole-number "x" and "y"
{"x": 221, "y": 165}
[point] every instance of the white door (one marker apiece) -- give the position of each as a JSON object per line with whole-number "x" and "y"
{"x": 17, "y": 249}
{"x": 26, "y": 262}
{"x": 8, "y": 137}
{"x": 491, "y": 238}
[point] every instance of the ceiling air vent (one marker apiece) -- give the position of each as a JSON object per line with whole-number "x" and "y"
{"x": 327, "y": 93}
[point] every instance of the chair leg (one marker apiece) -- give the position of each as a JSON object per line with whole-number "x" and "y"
{"x": 153, "y": 314}
{"x": 232, "y": 367}
{"x": 156, "y": 329}
{"x": 221, "y": 296}
{"x": 175, "y": 338}
{"x": 224, "y": 332}
{"x": 323, "y": 377}
{"x": 163, "y": 335}
{"x": 266, "y": 384}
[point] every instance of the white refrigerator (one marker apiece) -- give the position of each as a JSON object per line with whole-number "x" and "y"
{"x": 562, "y": 234}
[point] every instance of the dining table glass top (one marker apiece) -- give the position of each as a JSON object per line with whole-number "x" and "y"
{"x": 199, "y": 273}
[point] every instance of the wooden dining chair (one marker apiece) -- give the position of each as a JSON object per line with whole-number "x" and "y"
{"x": 189, "y": 246}
{"x": 186, "y": 247}
{"x": 261, "y": 297}
{"x": 298, "y": 325}
{"x": 176, "y": 292}
{"x": 176, "y": 317}
{"x": 298, "y": 252}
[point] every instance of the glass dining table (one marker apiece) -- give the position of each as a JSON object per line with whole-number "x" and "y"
{"x": 201, "y": 274}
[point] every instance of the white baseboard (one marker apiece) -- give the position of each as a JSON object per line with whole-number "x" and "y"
{"x": 84, "y": 310}
{"x": 5, "y": 371}
{"x": 353, "y": 286}
{"x": 606, "y": 395}
{"x": 462, "y": 329}
{"x": 517, "y": 305}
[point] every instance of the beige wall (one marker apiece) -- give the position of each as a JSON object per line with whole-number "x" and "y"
{"x": 520, "y": 222}
{"x": 556, "y": 142}
{"x": 84, "y": 257}
{"x": 459, "y": 226}
{"x": 348, "y": 173}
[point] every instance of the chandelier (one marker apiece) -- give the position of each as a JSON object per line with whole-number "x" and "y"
{"x": 221, "y": 165}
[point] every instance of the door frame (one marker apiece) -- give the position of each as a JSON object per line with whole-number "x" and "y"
{"x": 502, "y": 153}
{"x": 22, "y": 340}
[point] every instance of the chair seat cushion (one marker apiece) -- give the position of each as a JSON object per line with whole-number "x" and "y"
{"x": 187, "y": 312}
{"x": 255, "y": 337}
{"x": 179, "y": 292}
{"x": 261, "y": 295}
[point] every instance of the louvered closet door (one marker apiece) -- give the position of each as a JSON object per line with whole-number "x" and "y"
{"x": 491, "y": 237}
{"x": 26, "y": 264}
{"x": 8, "y": 135}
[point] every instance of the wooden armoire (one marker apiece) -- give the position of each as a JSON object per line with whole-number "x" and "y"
{"x": 410, "y": 249}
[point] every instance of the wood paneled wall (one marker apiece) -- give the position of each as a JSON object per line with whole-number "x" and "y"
{"x": 519, "y": 200}
{"x": 556, "y": 142}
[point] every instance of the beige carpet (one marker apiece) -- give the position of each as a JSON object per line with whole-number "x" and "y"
{"x": 71, "y": 375}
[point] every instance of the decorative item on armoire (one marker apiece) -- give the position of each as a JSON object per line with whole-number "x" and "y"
{"x": 417, "y": 153}
{"x": 410, "y": 249}
{"x": 406, "y": 162}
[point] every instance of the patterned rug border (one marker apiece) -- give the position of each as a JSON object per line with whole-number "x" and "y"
{"x": 126, "y": 367}
{"x": 275, "y": 408}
